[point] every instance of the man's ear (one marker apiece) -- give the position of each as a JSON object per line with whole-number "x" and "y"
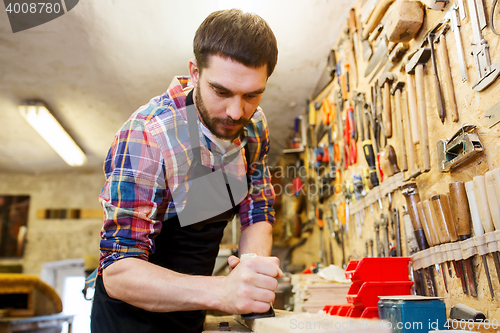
{"x": 194, "y": 72}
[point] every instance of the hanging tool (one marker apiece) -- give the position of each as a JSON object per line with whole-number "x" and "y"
{"x": 388, "y": 162}
{"x": 416, "y": 66}
{"x": 380, "y": 55}
{"x": 396, "y": 89}
{"x": 368, "y": 10}
{"x": 399, "y": 250}
{"x": 435, "y": 4}
{"x": 432, "y": 232}
{"x": 319, "y": 220}
{"x": 410, "y": 192}
{"x": 370, "y": 154}
{"x": 460, "y": 214}
{"x": 452, "y": 17}
{"x": 379, "y": 127}
{"x": 385, "y": 81}
{"x": 485, "y": 214}
{"x": 393, "y": 58}
{"x": 393, "y": 160}
{"x": 405, "y": 20}
{"x": 462, "y": 146}
{"x": 440, "y": 204}
{"x": 359, "y": 100}
{"x": 429, "y": 39}
{"x": 493, "y": 192}
{"x": 412, "y": 248}
{"x": 487, "y": 73}
{"x": 440, "y": 40}
{"x": 376, "y": 16}
{"x": 365, "y": 44}
{"x": 395, "y": 53}
{"x": 492, "y": 13}
{"x": 465, "y": 313}
{"x": 341, "y": 215}
{"x": 376, "y": 227}
{"x": 353, "y": 29}
{"x": 413, "y": 167}
{"x": 384, "y": 224}
{"x": 412, "y": 102}
{"x": 478, "y": 229}
{"x": 481, "y": 14}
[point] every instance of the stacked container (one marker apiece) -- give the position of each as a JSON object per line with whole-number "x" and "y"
{"x": 371, "y": 278}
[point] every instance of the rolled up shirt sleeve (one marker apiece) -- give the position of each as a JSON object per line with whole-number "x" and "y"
{"x": 258, "y": 205}
{"x": 133, "y": 195}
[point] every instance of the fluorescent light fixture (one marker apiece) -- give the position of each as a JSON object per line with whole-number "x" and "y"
{"x": 40, "y": 118}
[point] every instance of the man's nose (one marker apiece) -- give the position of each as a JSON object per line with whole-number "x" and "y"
{"x": 236, "y": 108}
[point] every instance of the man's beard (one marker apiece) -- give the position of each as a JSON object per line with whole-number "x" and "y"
{"x": 211, "y": 123}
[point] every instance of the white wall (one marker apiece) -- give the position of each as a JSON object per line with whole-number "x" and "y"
{"x": 56, "y": 239}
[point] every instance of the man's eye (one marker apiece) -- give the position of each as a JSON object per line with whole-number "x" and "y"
{"x": 251, "y": 96}
{"x": 221, "y": 93}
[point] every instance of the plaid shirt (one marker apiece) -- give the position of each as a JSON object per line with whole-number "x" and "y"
{"x": 145, "y": 165}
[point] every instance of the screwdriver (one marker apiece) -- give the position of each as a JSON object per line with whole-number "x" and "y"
{"x": 319, "y": 219}
{"x": 478, "y": 227}
{"x": 369, "y": 153}
{"x": 441, "y": 207}
{"x": 484, "y": 213}
{"x": 460, "y": 214}
{"x": 410, "y": 192}
{"x": 431, "y": 231}
{"x": 492, "y": 199}
{"x": 411, "y": 249}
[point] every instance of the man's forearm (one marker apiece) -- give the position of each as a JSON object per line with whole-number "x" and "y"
{"x": 157, "y": 289}
{"x": 257, "y": 238}
{"x": 249, "y": 288}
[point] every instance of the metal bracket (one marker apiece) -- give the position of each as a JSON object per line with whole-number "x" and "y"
{"x": 462, "y": 146}
{"x": 487, "y": 73}
{"x": 493, "y": 115}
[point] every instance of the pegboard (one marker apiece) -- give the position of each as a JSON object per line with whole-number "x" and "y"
{"x": 365, "y": 211}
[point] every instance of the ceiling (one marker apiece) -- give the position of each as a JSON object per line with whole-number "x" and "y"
{"x": 96, "y": 64}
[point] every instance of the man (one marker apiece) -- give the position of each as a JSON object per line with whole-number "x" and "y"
{"x": 166, "y": 172}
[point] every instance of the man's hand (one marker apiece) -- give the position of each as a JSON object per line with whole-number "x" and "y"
{"x": 250, "y": 285}
{"x": 232, "y": 261}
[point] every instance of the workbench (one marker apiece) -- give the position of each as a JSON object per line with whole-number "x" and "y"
{"x": 38, "y": 324}
{"x": 290, "y": 322}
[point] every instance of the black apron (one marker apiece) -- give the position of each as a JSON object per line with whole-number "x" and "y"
{"x": 185, "y": 249}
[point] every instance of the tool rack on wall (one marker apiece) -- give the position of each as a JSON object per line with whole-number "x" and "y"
{"x": 402, "y": 146}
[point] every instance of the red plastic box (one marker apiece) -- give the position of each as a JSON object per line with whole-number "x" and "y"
{"x": 378, "y": 269}
{"x": 367, "y": 294}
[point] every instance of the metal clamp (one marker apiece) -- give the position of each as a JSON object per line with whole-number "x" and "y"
{"x": 462, "y": 146}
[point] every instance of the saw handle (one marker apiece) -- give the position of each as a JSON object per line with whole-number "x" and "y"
{"x": 376, "y": 17}
{"x": 460, "y": 212}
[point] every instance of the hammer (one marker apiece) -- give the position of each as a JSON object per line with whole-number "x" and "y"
{"x": 416, "y": 66}
{"x": 396, "y": 89}
{"x": 430, "y": 38}
{"x": 440, "y": 40}
{"x": 384, "y": 81}
{"x": 412, "y": 102}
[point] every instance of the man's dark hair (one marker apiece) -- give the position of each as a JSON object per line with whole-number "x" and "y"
{"x": 243, "y": 37}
